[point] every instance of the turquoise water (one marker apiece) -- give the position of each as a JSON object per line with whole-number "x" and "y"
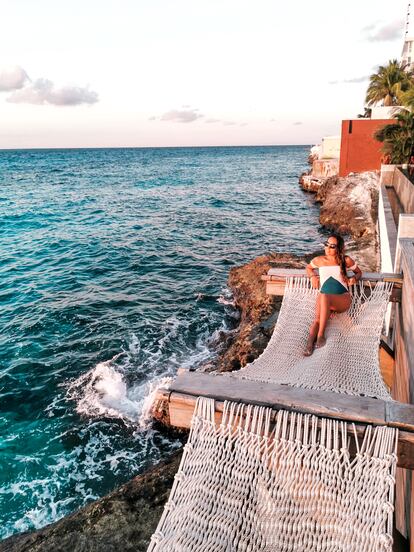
{"x": 113, "y": 274}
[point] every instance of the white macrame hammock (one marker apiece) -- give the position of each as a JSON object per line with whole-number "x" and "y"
{"x": 262, "y": 481}
{"x": 348, "y": 363}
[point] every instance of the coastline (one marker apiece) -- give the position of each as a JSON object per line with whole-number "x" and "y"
{"x": 126, "y": 518}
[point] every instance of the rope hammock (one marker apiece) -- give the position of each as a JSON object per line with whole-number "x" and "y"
{"x": 348, "y": 363}
{"x": 276, "y": 484}
{"x": 289, "y": 482}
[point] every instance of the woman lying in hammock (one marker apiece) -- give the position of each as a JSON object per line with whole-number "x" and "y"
{"x": 333, "y": 285}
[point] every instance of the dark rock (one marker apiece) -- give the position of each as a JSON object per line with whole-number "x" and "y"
{"x": 326, "y": 188}
{"x": 310, "y": 183}
{"x": 267, "y": 326}
{"x": 258, "y": 311}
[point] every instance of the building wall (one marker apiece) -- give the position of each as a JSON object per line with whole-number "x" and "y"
{"x": 387, "y": 232}
{"x": 407, "y": 56}
{"x": 384, "y": 112}
{"x": 331, "y": 146}
{"x": 405, "y": 190}
{"x": 359, "y": 150}
{"x": 322, "y": 168}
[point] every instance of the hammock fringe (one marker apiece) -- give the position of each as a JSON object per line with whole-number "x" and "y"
{"x": 266, "y": 481}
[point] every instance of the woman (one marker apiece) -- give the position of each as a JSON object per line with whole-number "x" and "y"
{"x": 333, "y": 283}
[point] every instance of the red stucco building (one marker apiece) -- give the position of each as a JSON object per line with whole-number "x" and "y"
{"x": 359, "y": 150}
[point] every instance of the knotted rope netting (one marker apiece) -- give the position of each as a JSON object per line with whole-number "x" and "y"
{"x": 261, "y": 481}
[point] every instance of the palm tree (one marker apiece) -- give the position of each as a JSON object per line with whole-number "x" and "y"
{"x": 388, "y": 84}
{"x": 398, "y": 138}
{"x": 366, "y": 115}
{"x": 407, "y": 98}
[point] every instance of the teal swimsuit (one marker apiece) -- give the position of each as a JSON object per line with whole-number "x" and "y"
{"x": 331, "y": 280}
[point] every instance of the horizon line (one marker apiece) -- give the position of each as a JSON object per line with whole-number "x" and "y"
{"x": 150, "y": 147}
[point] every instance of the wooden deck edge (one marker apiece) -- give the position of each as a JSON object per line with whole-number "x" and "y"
{"x": 181, "y": 407}
{"x": 182, "y": 396}
{"x": 276, "y": 281}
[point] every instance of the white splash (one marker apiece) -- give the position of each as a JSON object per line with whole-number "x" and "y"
{"x": 226, "y": 298}
{"x": 145, "y": 418}
{"x": 102, "y": 391}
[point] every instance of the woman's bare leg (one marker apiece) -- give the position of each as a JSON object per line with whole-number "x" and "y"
{"x": 313, "y": 330}
{"x": 328, "y": 303}
{"x": 324, "y": 312}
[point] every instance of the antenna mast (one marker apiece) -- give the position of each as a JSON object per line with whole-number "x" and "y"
{"x": 407, "y": 22}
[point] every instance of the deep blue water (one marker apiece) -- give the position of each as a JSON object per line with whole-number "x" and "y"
{"x": 113, "y": 274}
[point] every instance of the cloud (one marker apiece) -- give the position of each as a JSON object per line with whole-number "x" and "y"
{"x": 384, "y": 33}
{"x": 44, "y": 92}
{"x": 229, "y": 123}
{"x": 351, "y": 81}
{"x": 181, "y": 116}
{"x": 298, "y": 123}
{"x": 12, "y": 78}
{"x": 212, "y": 120}
{"x": 357, "y": 79}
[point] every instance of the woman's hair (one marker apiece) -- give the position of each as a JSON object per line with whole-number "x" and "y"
{"x": 340, "y": 252}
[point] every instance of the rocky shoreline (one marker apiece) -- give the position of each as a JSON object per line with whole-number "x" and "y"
{"x": 125, "y": 519}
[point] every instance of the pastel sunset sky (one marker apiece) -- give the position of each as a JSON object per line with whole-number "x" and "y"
{"x": 103, "y": 73}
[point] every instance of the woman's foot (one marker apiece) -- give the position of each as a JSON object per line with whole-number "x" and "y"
{"x": 309, "y": 346}
{"x": 320, "y": 342}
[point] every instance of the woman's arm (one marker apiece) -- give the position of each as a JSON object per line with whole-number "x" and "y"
{"x": 352, "y": 265}
{"x": 310, "y": 271}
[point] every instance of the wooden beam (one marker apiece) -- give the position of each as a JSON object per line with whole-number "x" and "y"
{"x": 366, "y": 276}
{"x": 321, "y": 403}
{"x": 187, "y": 387}
{"x": 276, "y": 280}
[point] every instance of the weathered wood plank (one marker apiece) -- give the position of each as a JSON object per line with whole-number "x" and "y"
{"x": 405, "y": 450}
{"x": 320, "y": 403}
{"x": 182, "y": 408}
{"x": 276, "y": 280}
{"x": 399, "y": 415}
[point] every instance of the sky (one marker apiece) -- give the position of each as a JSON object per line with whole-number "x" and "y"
{"x": 143, "y": 73}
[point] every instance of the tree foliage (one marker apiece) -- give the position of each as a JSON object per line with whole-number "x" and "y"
{"x": 398, "y": 138}
{"x": 388, "y": 84}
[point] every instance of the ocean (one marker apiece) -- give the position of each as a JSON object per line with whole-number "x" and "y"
{"x": 113, "y": 266}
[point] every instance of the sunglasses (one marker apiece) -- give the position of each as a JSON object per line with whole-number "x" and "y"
{"x": 331, "y": 245}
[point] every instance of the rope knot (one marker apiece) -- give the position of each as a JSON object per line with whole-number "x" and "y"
{"x": 157, "y": 537}
{"x": 388, "y": 507}
{"x": 390, "y": 479}
{"x": 386, "y": 540}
